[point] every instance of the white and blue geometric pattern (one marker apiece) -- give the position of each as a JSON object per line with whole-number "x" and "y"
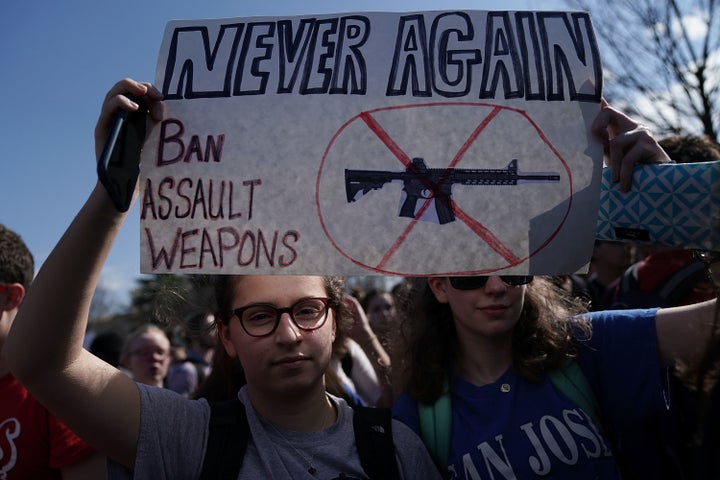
{"x": 675, "y": 205}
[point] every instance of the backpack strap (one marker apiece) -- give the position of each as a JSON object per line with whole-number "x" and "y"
{"x": 435, "y": 427}
{"x": 227, "y": 441}
{"x": 436, "y": 419}
{"x": 229, "y": 432}
{"x": 572, "y": 382}
{"x": 374, "y": 441}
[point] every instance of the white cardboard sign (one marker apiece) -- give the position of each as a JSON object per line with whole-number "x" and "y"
{"x": 444, "y": 142}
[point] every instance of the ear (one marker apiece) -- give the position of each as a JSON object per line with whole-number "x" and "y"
{"x": 226, "y": 339}
{"x": 12, "y": 296}
{"x": 439, "y": 286}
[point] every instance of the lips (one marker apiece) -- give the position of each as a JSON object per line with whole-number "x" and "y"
{"x": 494, "y": 309}
{"x": 292, "y": 360}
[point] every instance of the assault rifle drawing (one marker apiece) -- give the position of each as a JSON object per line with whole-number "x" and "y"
{"x": 421, "y": 182}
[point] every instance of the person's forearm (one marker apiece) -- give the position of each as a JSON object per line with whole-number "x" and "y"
{"x": 684, "y": 332}
{"x": 50, "y": 327}
{"x": 373, "y": 348}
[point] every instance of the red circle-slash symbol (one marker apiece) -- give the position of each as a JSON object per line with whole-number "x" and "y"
{"x": 370, "y": 231}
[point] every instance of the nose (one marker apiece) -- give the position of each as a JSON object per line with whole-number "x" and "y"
{"x": 158, "y": 357}
{"x": 495, "y": 285}
{"x": 287, "y": 331}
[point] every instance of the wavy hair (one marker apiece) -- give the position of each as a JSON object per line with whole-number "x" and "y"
{"x": 543, "y": 339}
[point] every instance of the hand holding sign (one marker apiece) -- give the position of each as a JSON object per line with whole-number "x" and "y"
{"x": 626, "y": 143}
{"x": 121, "y": 136}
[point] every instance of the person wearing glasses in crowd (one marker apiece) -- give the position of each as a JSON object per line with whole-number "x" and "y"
{"x": 509, "y": 377}
{"x": 146, "y": 355}
{"x": 281, "y": 328}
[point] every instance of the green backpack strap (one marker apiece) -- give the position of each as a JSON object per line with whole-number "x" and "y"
{"x": 436, "y": 419}
{"x": 435, "y": 426}
{"x": 572, "y": 382}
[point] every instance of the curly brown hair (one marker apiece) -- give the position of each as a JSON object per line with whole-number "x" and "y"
{"x": 543, "y": 339}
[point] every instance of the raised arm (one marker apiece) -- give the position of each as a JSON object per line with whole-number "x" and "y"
{"x": 44, "y": 348}
{"x": 364, "y": 335}
{"x": 684, "y": 333}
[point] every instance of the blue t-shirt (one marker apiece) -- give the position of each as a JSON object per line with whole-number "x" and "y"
{"x": 515, "y": 429}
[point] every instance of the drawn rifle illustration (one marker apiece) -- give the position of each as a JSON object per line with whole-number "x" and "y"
{"x": 421, "y": 182}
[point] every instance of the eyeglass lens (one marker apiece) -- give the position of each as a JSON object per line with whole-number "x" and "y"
{"x": 262, "y": 319}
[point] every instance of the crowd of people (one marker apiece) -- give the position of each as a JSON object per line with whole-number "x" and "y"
{"x": 501, "y": 376}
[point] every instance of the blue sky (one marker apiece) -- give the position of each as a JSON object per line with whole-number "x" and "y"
{"x": 58, "y": 59}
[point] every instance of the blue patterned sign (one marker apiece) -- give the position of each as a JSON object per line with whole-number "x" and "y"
{"x": 675, "y": 205}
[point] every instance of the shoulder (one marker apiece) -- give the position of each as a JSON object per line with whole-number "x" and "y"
{"x": 181, "y": 372}
{"x": 413, "y": 458}
{"x": 406, "y": 411}
{"x": 612, "y": 320}
{"x": 184, "y": 366}
{"x": 162, "y": 405}
{"x": 167, "y": 421}
{"x": 615, "y": 333}
{"x": 403, "y": 435}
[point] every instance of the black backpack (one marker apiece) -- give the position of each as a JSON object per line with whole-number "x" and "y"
{"x": 229, "y": 432}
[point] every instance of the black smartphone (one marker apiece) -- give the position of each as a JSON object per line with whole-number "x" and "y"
{"x": 119, "y": 164}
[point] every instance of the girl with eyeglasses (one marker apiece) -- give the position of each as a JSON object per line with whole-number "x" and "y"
{"x": 509, "y": 377}
{"x": 281, "y": 329}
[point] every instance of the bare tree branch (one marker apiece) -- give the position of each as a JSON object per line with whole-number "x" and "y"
{"x": 662, "y": 60}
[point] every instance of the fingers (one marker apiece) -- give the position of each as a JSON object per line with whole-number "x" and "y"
{"x": 610, "y": 122}
{"x": 356, "y": 311}
{"x": 626, "y": 143}
{"x": 629, "y": 149}
{"x": 116, "y": 99}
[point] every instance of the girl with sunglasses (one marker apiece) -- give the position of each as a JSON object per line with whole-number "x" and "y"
{"x": 281, "y": 329}
{"x": 509, "y": 377}
{"x": 490, "y": 346}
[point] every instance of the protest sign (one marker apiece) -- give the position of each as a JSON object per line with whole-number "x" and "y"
{"x": 446, "y": 142}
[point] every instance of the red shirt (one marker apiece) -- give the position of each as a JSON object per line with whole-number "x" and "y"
{"x": 33, "y": 443}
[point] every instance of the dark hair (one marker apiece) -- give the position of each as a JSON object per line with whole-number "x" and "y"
{"x": 543, "y": 339}
{"x": 108, "y": 347}
{"x": 16, "y": 261}
{"x": 225, "y": 378}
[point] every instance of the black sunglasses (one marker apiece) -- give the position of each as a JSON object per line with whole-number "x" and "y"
{"x": 473, "y": 283}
